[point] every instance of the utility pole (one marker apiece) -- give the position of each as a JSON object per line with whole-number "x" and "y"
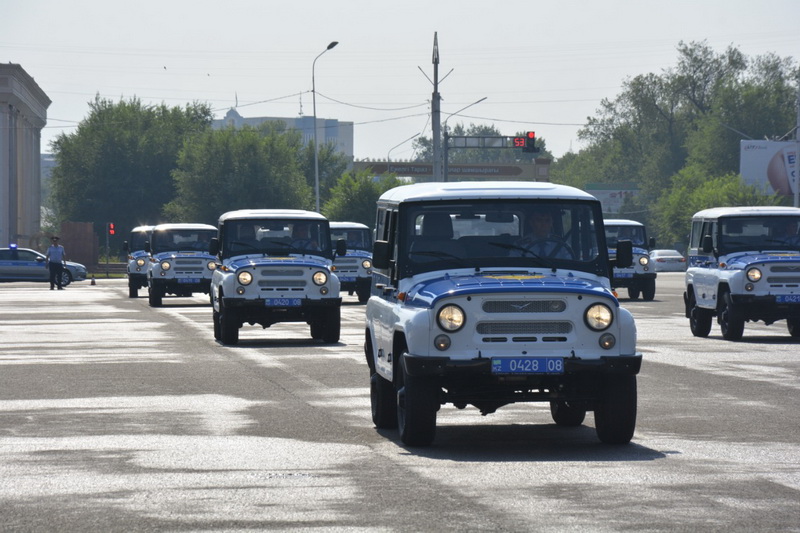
{"x": 436, "y": 114}
{"x": 795, "y": 178}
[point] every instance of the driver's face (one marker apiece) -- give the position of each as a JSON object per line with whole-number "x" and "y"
{"x": 541, "y": 224}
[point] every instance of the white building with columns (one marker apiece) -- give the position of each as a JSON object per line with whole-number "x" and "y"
{"x": 23, "y": 114}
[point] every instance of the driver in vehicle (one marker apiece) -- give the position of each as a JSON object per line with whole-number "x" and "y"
{"x": 541, "y": 240}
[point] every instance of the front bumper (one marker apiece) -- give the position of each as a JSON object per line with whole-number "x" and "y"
{"x": 635, "y": 281}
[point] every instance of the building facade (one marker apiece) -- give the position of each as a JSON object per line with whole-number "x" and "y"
{"x": 329, "y": 131}
{"x": 23, "y": 114}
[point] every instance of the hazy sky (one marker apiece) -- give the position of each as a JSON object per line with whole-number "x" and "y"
{"x": 542, "y": 65}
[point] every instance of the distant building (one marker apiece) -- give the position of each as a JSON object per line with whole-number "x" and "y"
{"x": 329, "y": 130}
{"x": 23, "y": 114}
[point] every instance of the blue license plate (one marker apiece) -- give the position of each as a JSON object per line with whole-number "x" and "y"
{"x": 623, "y": 274}
{"x": 282, "y": 302}
{"x": 788, "y": 299}
{"x": 527, "y": 365}
{"x": 347, "y": 278}
{"x": 188, "y": 280}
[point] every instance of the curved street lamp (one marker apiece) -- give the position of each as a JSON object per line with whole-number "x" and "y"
{"x": 314, "y": 105}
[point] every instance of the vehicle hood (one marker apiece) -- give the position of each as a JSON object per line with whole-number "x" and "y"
{"x": 261, "y": 261}
{"x": 428, "y": 292}
{"x": 75, "y": 265}
{"x": 174, "y": 254}
{"x": 744, "y": 259}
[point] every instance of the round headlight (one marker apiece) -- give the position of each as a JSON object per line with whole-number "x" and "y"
{"x": 320, "y": 278}
{"x": 644, "y": 260}
{"x": 165, "y": 265}
{"x": 140, "y": 262}
{"x": 754, "y": 274}
{"x": 598, "y": 317}
{"x": 451, "y": 318}
{"x": 366, "y": 263}
{"x": 245, "y": 277}
{"x": 211, "y": 265}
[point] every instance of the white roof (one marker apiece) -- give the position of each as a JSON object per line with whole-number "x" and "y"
{"x": 621, "y": 222}
{"x": 480, "y": 190}
{"x": 348, "y": 225}
{"x": 760, "y": 210}
{"x": 138, "y": 229}
{"x": 180, "y": 226}
{"x": 270, "y": 213}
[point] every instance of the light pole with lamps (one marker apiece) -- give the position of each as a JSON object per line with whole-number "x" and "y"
{"x": 314, "y": 105}
{"x": 388, "y": 155}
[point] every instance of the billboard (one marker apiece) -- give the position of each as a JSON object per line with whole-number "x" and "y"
{"x": 612, "y": 195}
{"x": 771, "y": 166}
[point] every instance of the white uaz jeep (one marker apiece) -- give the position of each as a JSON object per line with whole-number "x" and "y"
{"x": 274, "y": 265}
{"x": 138, "y": 260}
{"x": 744, "y": 265}
{"x": 179, "y": 262}
{"x": 354, "y": 269}
{"x": 640, "y": 276}
{"x": 491, "y": 293}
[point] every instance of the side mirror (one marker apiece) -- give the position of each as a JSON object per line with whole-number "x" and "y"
{"x": 147, "y": 246}
{"x": 652, "y": 242}
{"x": 125, "y": 246}
{"x": 708, "y": 244}
{"x": 380, "y": 255}
{"x": 341, "y": 247}
{"x": 624, "y": 254}
{"x": 213, "y": 246}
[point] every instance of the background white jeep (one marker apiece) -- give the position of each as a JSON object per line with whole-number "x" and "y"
{"x": 179, "y": 262}
{"x": 138, "y": 258}
{"x": 640, "y": 276}
{"x": 354, "y": 269}
{"x": 274, "y": 265}
{"x": 464, "y": 310}
{"x": 744, "y": 265}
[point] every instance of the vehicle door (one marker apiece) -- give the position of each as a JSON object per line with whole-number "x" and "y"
{"x": 706, "y": 275}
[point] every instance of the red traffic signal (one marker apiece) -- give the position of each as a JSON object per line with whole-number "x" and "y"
{"x": 530, "y": 142}
{"x": 111, "y": 229}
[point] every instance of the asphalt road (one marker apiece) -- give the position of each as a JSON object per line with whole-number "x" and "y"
{"x": 118, "y": 417}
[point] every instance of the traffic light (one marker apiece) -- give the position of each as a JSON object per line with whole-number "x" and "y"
{"x": 530, "y": 142}
{"x": 111, "y": 229}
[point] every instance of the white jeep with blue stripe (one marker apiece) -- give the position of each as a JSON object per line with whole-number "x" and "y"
{"x": 179, "y": 262}
{"x": 491, "y": 293}
{"x": 743, "y": 266}
{"x": 640, "y": 276}
{"x": 354, "y": 269}
{"x": 275, "y": 265}
{"x": 138, "y": 258}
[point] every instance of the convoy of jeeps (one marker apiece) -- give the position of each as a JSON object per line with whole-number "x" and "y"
{"x": 479, "y": 293}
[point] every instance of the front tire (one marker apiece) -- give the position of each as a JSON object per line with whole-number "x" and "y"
{"x": 730, "y": 321}
{"x": 155, "y": 296}
{"x": 417, "y": 403}
{"x": 66, "y": 278}
{"x": 133, "y": 290}
{"x": 331, "y": 330}
{"x": 228, "y": 325}
{"x": 793, "y": 324}
{"x": 633, "y": 294}
{"x": 649, "y": 290}
{"x": 615, "y": 411}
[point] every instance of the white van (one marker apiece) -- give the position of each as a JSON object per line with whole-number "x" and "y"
{"x": 491, "y": 293}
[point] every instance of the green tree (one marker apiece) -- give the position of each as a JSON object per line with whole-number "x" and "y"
{"x": 332, "y": 165}
{"x": 224, "y": 170}
{"x": 116, "y": 166}
{"x": 354, "y": 196}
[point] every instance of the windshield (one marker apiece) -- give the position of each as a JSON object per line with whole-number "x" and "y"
{"x": 743, "y": 234}
{"x": 635, "y": 234}
{"x": 497, "y": 234}
{"x": 357, "y": 238}
{"x": 276, "y": 237}
{"x": 137, "y": 240}
{"x": 181, "y": 240}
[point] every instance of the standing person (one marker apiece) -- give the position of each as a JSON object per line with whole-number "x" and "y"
{"x": 56, "y": 259}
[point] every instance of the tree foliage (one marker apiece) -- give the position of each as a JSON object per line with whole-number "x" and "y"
{"x": 354, "y": 196}
{"x": 224, "y": 170}
{"x": 676, "y": 135}
{"x": 116, "y": 166}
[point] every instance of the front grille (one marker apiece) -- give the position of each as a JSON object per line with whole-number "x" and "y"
{"x": 524, "y": 328}
{"x": 281, "y": 273}
{"x": 524, "y": 306}
{"x": 785, "y": 268}
{"x": 281, "y": 283}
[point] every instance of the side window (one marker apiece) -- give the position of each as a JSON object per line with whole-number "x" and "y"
{"x": 694, "y": 238}
{"x": 708, "y": 229}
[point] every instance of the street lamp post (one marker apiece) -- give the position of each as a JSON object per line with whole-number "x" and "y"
{"x": 314, "y": 105}
{"x": 389, "y": 153}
